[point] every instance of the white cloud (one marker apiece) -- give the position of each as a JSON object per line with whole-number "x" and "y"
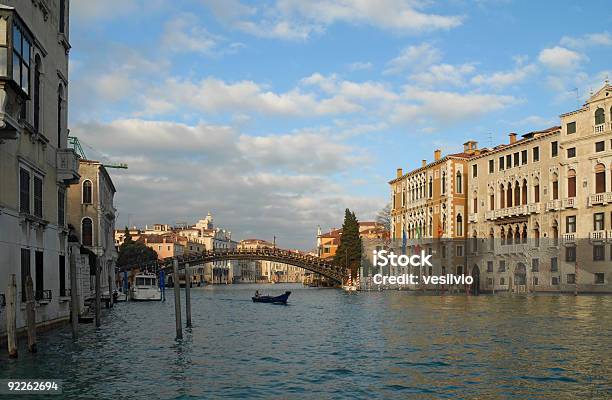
{"x": 502, "y": 79}
{"x": 183, "y": 34}
{"x": 414, "y": 58}
{"x": 587, "y": 40}
{"x": 560, "y": 59}
{"x": 296, "y": 19}
{"x": 360, "y": 66}
{"x": 443, "y": 75}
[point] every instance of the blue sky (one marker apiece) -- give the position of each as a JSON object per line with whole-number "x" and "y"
{"x": 277, "y": 115}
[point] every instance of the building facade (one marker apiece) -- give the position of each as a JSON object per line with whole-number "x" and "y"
{"x": 36, "y": 165}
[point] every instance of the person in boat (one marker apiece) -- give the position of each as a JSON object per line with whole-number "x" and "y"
{"x": 257, "y": 293}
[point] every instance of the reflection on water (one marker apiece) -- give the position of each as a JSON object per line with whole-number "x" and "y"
{"x": 329, "y": 343}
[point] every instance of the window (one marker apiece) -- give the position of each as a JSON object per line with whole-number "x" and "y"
{"x": 554, "y": 149}
{"x": 571, "y": 152}
{"x": 536, "y": 281}
{"x": 509, "y": 161}
{"x": 516, "y": 159}
{"x": 501, "y": 163}
{"x": 536, "y": 193}
{"x": 554, "y": 267}
{"x": 459, "y": 225}
{"x": 524, "y": 157}
{"x": 24, "y": 191}
{"x": 571, "y": 278}
{"x": 599, "y": 278}
{"x": 570, "y": 224}
{"x": 571, "y": 183}
{"x": 598, "y": 222}
{"x": 459, "y": 251}
{"x": 40, "y": 279}
{"x": 443, "y": 182}
{"x": 430, "y": 188}
{"x": 555, "y": 189}
{"x": 62, "y": 16}
{"x": 61, "y": 207}
{"x": 87, "y": 194}
{"x": 535, "y": 265}
{"x": 60, "y": 111}
{"x": 87, "y": 232}
{"x": 443, "y": 251}
{"x": 475, "y": 205}
{"x": 598, "y": 252}
{"x": 38, "y": 196}
{"x": 459, "y": 183}
{"x": 502, "y": 265}
{"x": 536, "y": 154}
{"x": 555, "y": 280}
{"x": 600, "y": 117}
{"x": 600, "y": 146}
{"x": 21, "y": 58}
{"x": 37, "y": 93}
{"x": 25, "y": 271}
{"x": 600, "y": 178}
{"x": 489, "y": 266}
{"x": 491, "y": 166}
{"x": 502, "y": 281}
{"x": 570, "y": 254}
{"x": 571, "y": 127}
{"x": 459, "y": 269}
{"x": 474, "y": 171}
{"x": 62, "y": 275}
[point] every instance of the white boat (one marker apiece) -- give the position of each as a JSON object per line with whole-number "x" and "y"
{"x": 349, "y": 288}
{"x": 145, "y": 288}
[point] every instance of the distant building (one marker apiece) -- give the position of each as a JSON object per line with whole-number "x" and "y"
{"x": 264, "y": 270}
{"x": 327, "y": 243}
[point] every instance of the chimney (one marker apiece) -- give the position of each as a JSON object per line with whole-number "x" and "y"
{"x": 400, "y": 172}
{"x": 512, "y": 137}
{"x": 423, "y": 163}
{"x": 470, "y": 147}
{"x": 437, "y": 154}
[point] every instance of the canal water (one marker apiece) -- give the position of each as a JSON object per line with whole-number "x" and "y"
{"x": 331, "y": 344}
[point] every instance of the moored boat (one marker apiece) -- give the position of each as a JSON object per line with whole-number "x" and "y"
{"x": 145, "y": 288}
{"x": 282, "y": 299}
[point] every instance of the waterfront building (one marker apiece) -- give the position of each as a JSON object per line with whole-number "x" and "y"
{"x": 91, "y": 212}
{"x": 541, "y": 207}
{"x": 264, "y": 270}
{"x": 36, "y": 164}
{"x": 328, "y": 242}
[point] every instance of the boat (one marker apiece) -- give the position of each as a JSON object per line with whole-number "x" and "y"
{"x": 349, "y": 288}
{"x": 282, "y": 299}
{"x": 145, "y": 288}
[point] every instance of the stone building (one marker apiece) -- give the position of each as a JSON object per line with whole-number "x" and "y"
{"x": 91, "y": 212}
{"x": 540, "y": 212}
{"x": 36, "y": 165}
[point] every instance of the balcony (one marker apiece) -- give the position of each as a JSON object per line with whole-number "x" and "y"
{"x": 68, "y": 166}
{"x": 533, "y": 208}
{"x": 473, "y": 218}
{"x": 10, "y": 104}
{"x": 569, "y": 238}
{"x": 599, "y": 128}
{"x": 597, "y": 236}
{"x": 489, "y": 215}
{"x": 569, "y": 202}
{"x": 553, "y": 205}
{"x": 600, "y": 199}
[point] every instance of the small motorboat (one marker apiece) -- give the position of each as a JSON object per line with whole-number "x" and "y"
{"x": 282, "y": 299}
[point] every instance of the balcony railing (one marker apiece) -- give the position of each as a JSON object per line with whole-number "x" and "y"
{"x": 533, "y": 208}
{"x": 489, "y": 214}
{"x": 597, "y": 235}
{"x": 44, "y": 296}
{"x": 473, "y": 218}
{"x": 553, "y": 205}
{"x": 600, "y": 198}
{"x": 569, "y": 202}
{"x": 68, "y": 166}
{"x": 599, "y": 128}
{"x": 569, "y": 237}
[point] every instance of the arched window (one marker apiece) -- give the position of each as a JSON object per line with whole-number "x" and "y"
{"x": 571, "y": 183}
{"x": 536, "y": 191}
{"x": 517, "y": 194}
{"x": 459, "y": 183}
{"x": 62, "y": 16}
{"x": 36, "y": 95}
{"x": 536, "y": 234}
{"x": 430, "y": 187}
{"x": 87, "y": 193}
{"x": 524, "y": 192}
{"x": 502, "y": 196}
{"x": 600, "y": 178}
{"x": 502, "y": 234}
{"x": 555, "y": 233}
{"x": 459, "y": 225}
{"x": 492, "y": 202}
{"x": 600, "y": 116}
{"x": 524, "y": 234}
{"x": 510, "y": 236}
{"x": 87, "y": 232}
{"x": 60, "y": 99}
{"x": 555, "y": 187}
{"x": 509, "y": 195}
{"x": 475, "y": 205}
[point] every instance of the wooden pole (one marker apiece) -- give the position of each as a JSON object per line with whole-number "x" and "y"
{"x": 97, "y": 302}
{"x": 177, "y": 299}
{"x": 31, "y": 314}
{"x": 11, "y": 316}
{"x": 188, "y": 295}
{"x": 74, "y": 302}
{"x": 110, "y": 286}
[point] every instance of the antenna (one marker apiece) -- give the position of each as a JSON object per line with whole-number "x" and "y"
{"x": 490, "y": 135}
{"x": 76, "y": 145}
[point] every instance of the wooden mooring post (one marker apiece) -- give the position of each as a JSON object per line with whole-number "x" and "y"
{"x": 98, "y": 294}
{"x": 74, "y": 302}
{"x": 30, "y": 314}
{"x": 11, "y": 316}
{"x": 177, "y": 299}
{"x": 188, "y": 295}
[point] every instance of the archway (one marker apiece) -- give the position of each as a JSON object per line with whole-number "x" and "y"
{"x": 475, "y": 286}
{"x": 520, "y": 277}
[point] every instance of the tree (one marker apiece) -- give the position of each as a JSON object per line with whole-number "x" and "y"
{"x": 127, "y": 236}
{"x": 133, "y": 253}
{"x": 384, "y": 217}
{"x": 349, "y": 250}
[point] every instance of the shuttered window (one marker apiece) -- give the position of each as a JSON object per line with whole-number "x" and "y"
{"x": 571, "y": 183}
{"x": 24, "y": 191}
{"x": 38, "y": 196}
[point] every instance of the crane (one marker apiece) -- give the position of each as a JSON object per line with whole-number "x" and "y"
{"x": 74, "y": 142}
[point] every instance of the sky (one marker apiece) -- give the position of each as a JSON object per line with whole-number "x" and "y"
{"x": 277, "y": 115}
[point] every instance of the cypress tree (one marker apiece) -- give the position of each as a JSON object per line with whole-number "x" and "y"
{"x": 349, "y": 250}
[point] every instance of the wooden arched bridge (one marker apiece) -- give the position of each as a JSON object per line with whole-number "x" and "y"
{"x": 308, "y": 262}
